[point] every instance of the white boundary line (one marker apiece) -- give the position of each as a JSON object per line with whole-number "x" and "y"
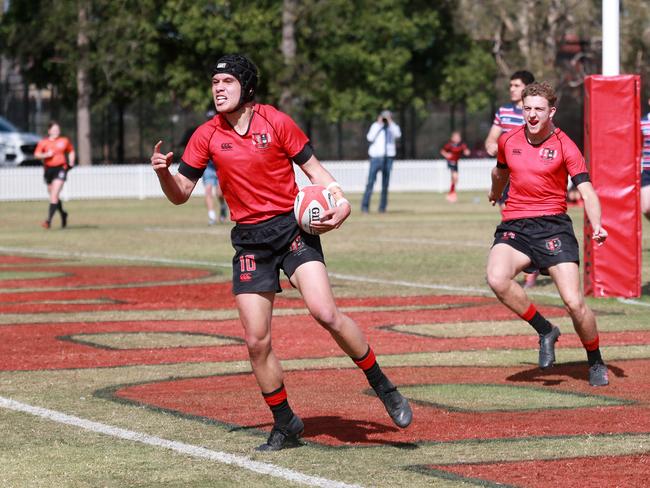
{"x": 180, "y": 447}
{"x": 363, "y": 279}
{"x": 117, "y": 257}
{"x": 629, "y": 301}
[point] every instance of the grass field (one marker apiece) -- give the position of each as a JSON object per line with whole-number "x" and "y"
{"x": 122, "y": 364}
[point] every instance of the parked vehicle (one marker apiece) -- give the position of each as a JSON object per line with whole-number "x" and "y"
{"x": 17, "y": 147}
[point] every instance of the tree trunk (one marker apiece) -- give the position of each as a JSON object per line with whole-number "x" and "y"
{"x": 288, "y": 48}
{"x": 84, "y": 151}
{"x": 339, "y": 139}
{"x": 120, "y": 133}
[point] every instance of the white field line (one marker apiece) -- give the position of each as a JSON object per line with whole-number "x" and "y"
{"x": 215, "y": 231}
{"x": 629, "y": 301}
{"x": 179, "y": 447}
{"x": 363, "y": 279}
{"x": 434, "y": 242}
{"x": 117, "y": 257}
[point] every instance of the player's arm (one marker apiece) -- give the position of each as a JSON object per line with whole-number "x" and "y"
{"x": 373, "y": 132}
{"x": 71, "y": 158}
{"x": 500, "y": 175}
{"x": 445, "y": 154}
{"x": 491, "y": 141}
{"x": 592, "y": 208}
{"x": 41, "y": 153}
{"x": 318, "y": 175}
{"x": 177, "y": 188}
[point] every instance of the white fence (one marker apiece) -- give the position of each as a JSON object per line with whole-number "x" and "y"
{"x": 139, "y": 181}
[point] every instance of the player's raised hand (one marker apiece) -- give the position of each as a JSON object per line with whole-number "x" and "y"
{"x": 160, "y": 161}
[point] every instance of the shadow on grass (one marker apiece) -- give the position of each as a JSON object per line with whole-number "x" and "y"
{"x": 553, "y": 376}
{"x": 645, "y": 289}
{"x": 346, "y": 431}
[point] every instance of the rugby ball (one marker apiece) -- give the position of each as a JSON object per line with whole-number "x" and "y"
{"x": 310, "y": 204}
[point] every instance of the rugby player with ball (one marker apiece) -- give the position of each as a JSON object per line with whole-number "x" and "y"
{"x": 254, "y": 147}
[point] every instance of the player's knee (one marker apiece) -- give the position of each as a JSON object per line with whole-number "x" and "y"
{"x": 258, "y": 345}
{"x": 327, "y": 317}
{"x": 497, "y": 281}
{"x": 576, "y": 306}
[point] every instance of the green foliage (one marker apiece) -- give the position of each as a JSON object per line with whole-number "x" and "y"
{"x": 42, "y": 37}
{"x": 38, "y": 36}
{"x": 468, "y": 78}
{"x": 353, "y": 57}
{"x": 196, "y": 33}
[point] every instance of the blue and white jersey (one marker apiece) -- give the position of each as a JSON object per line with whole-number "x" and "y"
{"x": 645, "y": 131}
{"x": 509, "y": 117}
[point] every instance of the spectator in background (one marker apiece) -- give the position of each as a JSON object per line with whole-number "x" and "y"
{"x": 58, "y": 157}
{"x": 452, "y": 152}
{"x": 645, "y": 165}
{"x": 212, "y": 189}
{"x": 382, "y": 137}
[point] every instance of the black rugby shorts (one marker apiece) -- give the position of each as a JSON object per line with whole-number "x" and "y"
{"x": 261, "y": 250}
{"x": 546, "y": 240}
{"x": 52, "y": 173}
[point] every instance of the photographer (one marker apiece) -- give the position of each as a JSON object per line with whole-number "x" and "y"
{"x": 382, "y": 136}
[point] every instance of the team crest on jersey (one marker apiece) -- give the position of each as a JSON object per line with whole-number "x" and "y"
{"x": 261, "y": 140}
{"x": 547, "y": 154}
{"x": 554, "y": 245}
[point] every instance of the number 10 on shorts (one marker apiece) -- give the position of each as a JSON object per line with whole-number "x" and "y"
{"x": 247, "y": 262}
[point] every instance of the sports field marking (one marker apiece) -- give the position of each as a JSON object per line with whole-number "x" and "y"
{"x": 629, "y": 301}
{"x": 180, "y": 447}
{"x": 434, "y": 242}
{"x": 364, "y": 279}
{"x": 215, "y": 231}
{"x": 116, "y": 257}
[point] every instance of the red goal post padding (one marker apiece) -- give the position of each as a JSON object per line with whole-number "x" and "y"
{"x": 612, "y": 143}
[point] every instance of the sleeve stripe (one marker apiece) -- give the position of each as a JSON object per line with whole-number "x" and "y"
{"x": 303, "y": 156}
{"x": 502, "y": 165}
{"x": 580, "y": 178}
{"x": 190, "y": 171}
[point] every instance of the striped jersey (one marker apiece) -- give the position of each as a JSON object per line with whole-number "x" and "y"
{"x": 645, "y": 131}
{"x": 509, "y": 117}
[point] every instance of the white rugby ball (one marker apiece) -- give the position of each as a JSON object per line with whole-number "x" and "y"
{"x": 310, "y": 204}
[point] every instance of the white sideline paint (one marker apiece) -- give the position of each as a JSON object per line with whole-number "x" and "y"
{"x": 362, "y": 279}
{"x": 629, "y": 301}
{"x": 433, "y": 242}
{"x": 116, "y": 257}
{"x": 180, "y": 447}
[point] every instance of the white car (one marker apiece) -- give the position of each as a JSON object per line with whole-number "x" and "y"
{"x": 16, "y": 147}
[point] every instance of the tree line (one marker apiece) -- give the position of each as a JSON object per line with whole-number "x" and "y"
{"x": 328, "y": 60}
